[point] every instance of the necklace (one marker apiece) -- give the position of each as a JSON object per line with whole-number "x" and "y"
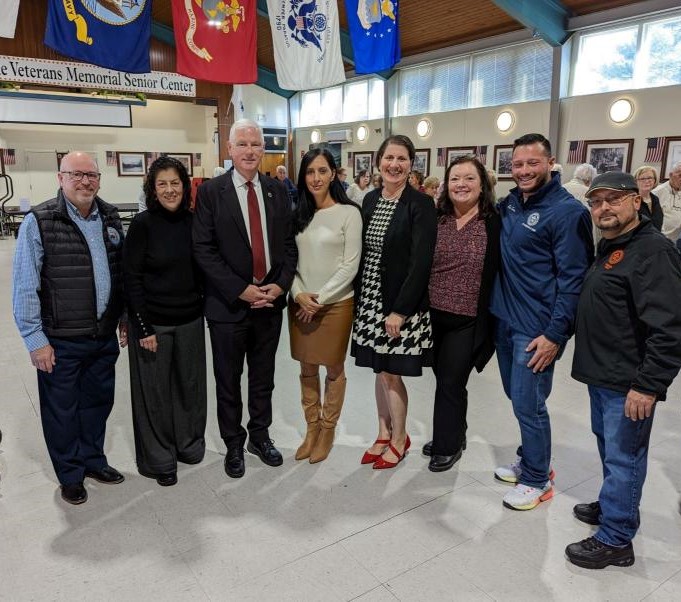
{"x": 397, "y": 194}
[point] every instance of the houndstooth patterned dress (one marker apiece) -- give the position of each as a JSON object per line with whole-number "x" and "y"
{"x": 371, "y": 346}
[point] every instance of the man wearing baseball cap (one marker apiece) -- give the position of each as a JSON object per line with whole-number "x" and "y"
{"x": 628, "y": 351}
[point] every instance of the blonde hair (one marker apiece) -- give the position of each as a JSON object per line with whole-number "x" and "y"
{"x": 431, "y": 181}
{"x": 643, "y": 168}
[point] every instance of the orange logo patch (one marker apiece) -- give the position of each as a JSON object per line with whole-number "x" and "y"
{"x": 614, "y": 259}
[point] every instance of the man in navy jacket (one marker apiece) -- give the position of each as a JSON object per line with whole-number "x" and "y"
{"x": 546, "y": 249}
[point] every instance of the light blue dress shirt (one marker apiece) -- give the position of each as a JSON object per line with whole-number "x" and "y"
{"x": 28, "y": 263}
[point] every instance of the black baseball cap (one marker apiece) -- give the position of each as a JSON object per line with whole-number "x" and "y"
{"x": 613, "y": 180}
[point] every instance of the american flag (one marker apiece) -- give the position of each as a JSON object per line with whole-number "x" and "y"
{"x": 111, "y": 158}
{"x": 441, "y": 154}
{"x": 654, "y": 149}
{"x": 576, "y": 153}
{"x": 9, "y": 156}
{"x": 481, "y": 153}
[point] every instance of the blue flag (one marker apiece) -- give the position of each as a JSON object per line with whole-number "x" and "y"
{"x": 374, "y": 31}
{"x": 115, "y": 34}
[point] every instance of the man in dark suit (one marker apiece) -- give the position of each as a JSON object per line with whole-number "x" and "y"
{"x": 243, "y": 242}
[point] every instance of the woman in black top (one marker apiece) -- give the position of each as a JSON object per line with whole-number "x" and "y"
{"x": 646, "y": 179}
{"x": 167, "y": 349}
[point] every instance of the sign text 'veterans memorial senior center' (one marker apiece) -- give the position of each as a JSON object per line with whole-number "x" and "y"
{"x": 83, "y": 75}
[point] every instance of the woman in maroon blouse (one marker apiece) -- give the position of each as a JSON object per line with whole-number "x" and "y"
{"x": 464, "y": 267}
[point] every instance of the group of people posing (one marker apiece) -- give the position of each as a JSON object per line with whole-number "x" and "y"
{"x": 405, "y": 283}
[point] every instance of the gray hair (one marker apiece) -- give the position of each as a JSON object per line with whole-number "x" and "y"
{"x": 242, "y": 124}
{"x": 585, "y": 173}
{"x": 282, "y": 168}
{"x": 558, "y": 167}
{"x": 675, "y": 166}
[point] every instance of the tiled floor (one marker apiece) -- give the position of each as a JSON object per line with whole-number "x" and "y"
{"x": 330, "y": 531}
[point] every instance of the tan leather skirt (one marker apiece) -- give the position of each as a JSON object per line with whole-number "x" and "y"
{"x": 323, "y": 341}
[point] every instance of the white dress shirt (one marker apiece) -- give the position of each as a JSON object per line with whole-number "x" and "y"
{"x": 670, "y": 201}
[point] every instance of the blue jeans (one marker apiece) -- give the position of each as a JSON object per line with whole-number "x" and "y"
{"x": 528, "y": 393}
{"x": 623, "y": 447}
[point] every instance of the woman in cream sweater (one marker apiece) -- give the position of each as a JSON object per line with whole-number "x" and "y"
{"x": 329, "y": 239}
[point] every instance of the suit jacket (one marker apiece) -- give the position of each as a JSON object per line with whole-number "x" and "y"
{"x": 223, "y": 252}
{"x": 408, "y": 249}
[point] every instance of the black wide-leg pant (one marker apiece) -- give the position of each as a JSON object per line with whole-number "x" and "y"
{"x": 168, "y": 390}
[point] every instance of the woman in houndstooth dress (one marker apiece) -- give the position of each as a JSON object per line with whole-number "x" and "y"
{"x": 392, "y": 333}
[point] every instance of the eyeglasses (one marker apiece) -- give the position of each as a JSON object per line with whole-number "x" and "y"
{"x": 612, "y": 201}
{"x": 77, "y": 176}
{"x": 646, "y": 179}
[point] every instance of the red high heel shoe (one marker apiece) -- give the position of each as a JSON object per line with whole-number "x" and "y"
{"x": 381, "y": 463}
{"x": 369, "y": 458}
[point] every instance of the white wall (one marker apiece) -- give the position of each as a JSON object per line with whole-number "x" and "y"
{"x": 258, "y": 101}
{"x": 470, "y": 127}
{"x": 161, "y": 126}
{"x": 656, "y": 113}
{"x": 581, "y": 118}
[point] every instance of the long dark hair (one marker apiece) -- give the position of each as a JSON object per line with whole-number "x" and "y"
{"x": 150, "y": 183}
{"x": 306, "y": 204}
{"x": 445, "y": 206}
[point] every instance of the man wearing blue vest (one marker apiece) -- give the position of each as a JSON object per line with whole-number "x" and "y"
{"x": 546, "y": 249}
{"x": 68, "y": 300}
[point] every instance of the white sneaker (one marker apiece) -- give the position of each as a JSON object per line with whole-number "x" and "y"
{"x": 510, "y": 473}
{"x": 522, "y": 497}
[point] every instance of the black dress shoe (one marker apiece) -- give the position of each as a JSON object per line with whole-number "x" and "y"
{"x": 235, "y": 466}
{"x": 74, "y": 494}
{"x": 106, "y": 475}
{"x": 167, "y": 480}
{"x": 592, "y": 554}
{"x": 442, "y": 463}
{"x": 588, "y": 513}
{"x": 266, "y": 451}
{"x": 427, "y": 449}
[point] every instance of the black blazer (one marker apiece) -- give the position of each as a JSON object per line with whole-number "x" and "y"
{"x": 483, "y": 341}
{"x": 657, "y": 215}
{"x": 408, "y": 249}
{"x": 223, "y": 252}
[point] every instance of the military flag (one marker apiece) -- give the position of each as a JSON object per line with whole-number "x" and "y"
{"x": 216, "y": 40}
{"x": 307, "y": 49}
{"x": 115, "y": 34}
{"x": 374, "y": 32}
{"x": 8, "y": 18}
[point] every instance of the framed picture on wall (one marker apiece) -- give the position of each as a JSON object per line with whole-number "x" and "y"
{"x": 609, "y": 155}
{"x": 503, "y": 157}
{"x": 422, "y": 161}
{"x": 185, "y": 159}
{"x": 457, "y": 151}
{"x": 362, "y": 161}
{"x": 671, "y": 155}
{"x": 130, "y": 164}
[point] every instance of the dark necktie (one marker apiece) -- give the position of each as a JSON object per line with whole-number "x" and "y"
{"x": 257, "y": 239}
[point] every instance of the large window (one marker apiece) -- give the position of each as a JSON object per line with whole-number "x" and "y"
{"x": 513, "y": 74}
{"x": 641, "y": 55}
{"x": 351, "y": 102}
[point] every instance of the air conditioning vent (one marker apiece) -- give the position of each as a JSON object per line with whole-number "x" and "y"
{"x": 338, "y": 136}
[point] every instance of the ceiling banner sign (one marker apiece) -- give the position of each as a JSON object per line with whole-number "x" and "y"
{"x": 83, "y": 75}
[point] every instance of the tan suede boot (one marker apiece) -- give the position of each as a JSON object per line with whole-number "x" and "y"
{"x": 310, "y": 398}
{"x": 334, "y": 395}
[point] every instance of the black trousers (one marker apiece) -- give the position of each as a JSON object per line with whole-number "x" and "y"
{"x": 453, "y": 337}
{"x": 255, "y": 338}
{"x": 76, "y": 399}
{"x": 168, "y": 391}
